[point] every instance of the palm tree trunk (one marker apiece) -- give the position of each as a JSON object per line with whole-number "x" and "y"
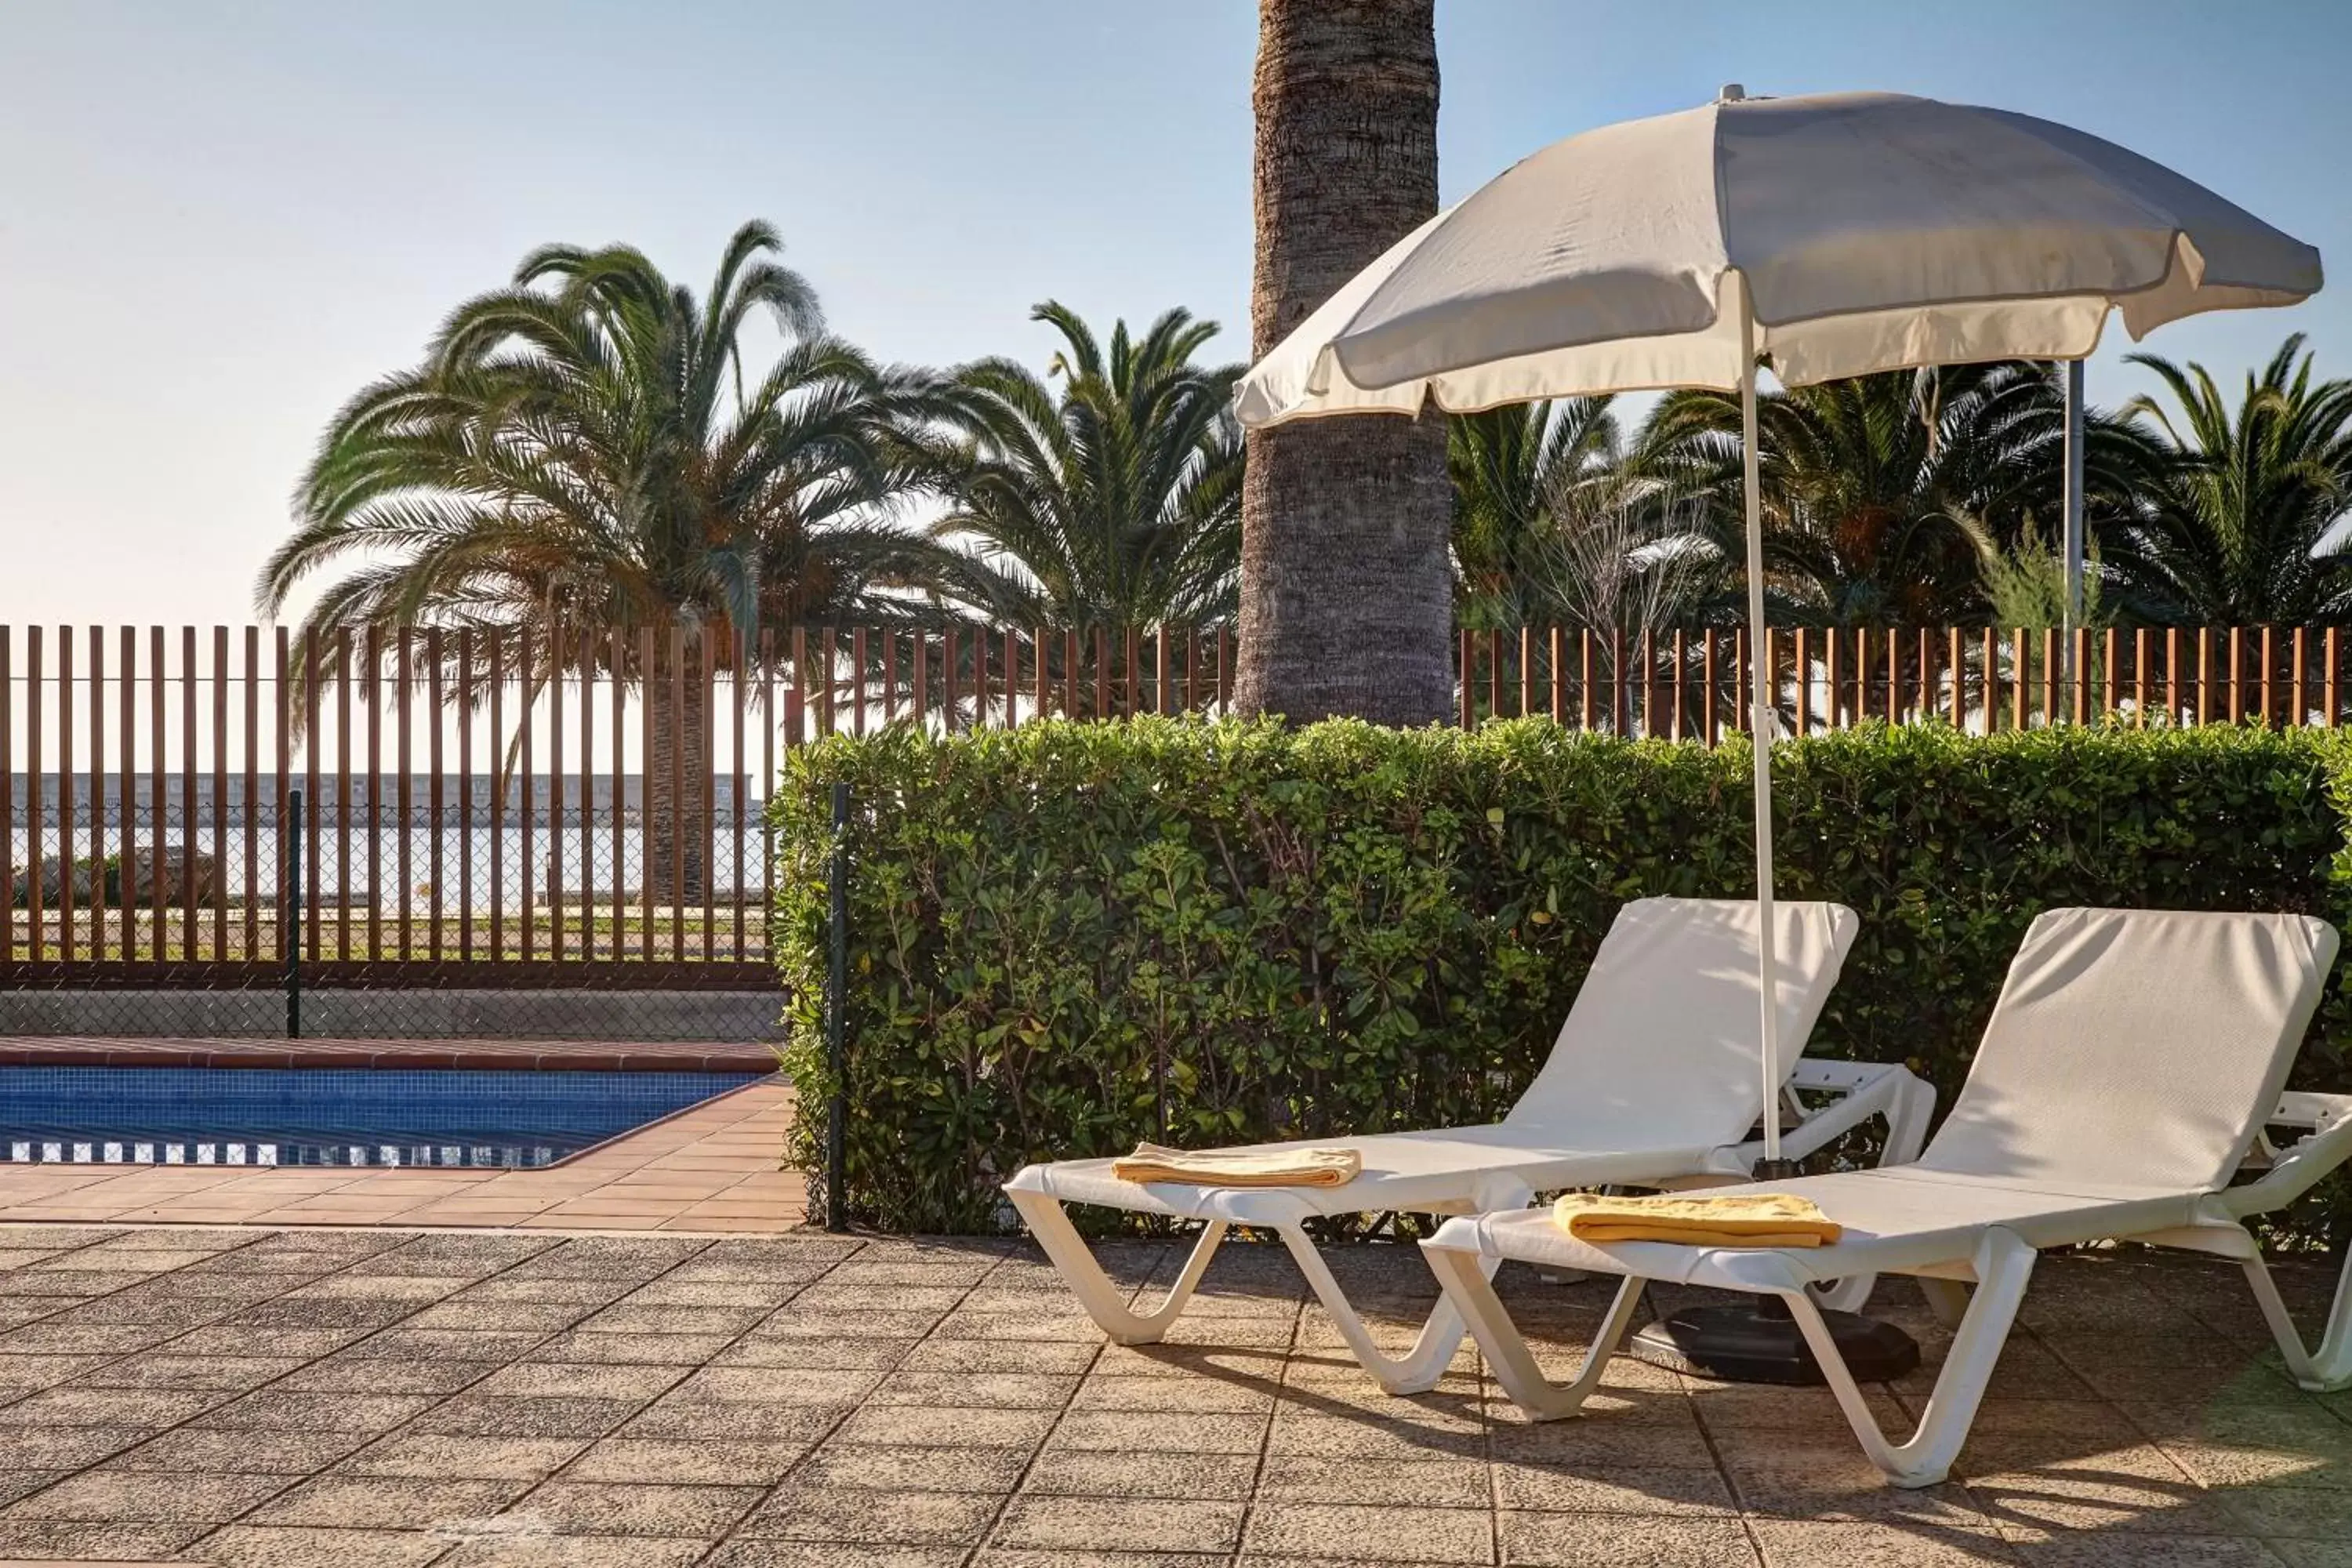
{"x": 1346, "y": 595}
{"x": 675, "y": 770}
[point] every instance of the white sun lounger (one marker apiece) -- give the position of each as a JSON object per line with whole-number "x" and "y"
{"x": 1655, "y": 1080}
{"x": 2128, "y": 1073}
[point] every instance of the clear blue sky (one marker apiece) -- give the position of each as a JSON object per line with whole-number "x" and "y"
{"x": 217, "y": 220}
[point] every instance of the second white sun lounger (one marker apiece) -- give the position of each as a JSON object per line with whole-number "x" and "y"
{"x": 1653, "y": 1080}
{"x": 2128, "y": 1074}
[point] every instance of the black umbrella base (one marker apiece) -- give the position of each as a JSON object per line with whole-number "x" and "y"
{"x": 1758, "y": 1342}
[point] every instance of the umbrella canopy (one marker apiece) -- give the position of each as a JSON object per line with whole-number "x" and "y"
{"x": 1873, "y": 232}
{"x": 1835, "y": 236}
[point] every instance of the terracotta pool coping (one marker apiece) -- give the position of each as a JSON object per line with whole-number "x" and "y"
{"x": 542, "y": 1056}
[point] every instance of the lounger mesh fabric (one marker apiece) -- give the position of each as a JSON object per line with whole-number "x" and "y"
{"x": 2188, "y": 1023}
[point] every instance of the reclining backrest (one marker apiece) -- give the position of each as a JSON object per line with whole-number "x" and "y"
{"x": 1662, "y": 1047}
{"x": 2137, "y": 1048}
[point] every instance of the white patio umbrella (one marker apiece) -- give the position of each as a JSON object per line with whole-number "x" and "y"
{"x": 1833, "y": 235}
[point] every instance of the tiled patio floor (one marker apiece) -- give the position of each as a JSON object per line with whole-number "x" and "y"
{"x": 249, "y": 1396}
{"x": 710, "y": 1168}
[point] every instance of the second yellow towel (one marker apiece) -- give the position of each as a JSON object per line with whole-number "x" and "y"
{"x": 1746, "y": 1219}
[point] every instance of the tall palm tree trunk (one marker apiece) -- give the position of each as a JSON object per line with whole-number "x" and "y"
{"x": 676, "y": 768}
{"x": 1346, "y": 595}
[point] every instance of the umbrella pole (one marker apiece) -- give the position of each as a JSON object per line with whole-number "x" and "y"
{"x": 1758, "y": 1340}
{"x": 1761, "y": 728}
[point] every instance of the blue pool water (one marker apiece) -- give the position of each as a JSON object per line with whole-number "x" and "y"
{"x": 325, "y": 1115}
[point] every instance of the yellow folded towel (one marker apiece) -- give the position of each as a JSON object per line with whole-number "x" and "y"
{"x": 1747, "y": 1219}
{"x": 1215, "y": 1168}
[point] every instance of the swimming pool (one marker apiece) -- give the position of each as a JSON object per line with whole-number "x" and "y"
{"x": 331, "y": 1116}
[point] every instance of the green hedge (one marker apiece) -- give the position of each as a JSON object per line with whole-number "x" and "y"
{"x": 1067, "y": 936}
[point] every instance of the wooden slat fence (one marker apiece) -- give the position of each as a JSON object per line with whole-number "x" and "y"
{"x": 499, "y": 807}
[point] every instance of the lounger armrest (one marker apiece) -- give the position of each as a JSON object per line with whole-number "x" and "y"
{"x": 1865, "y": 1089}
{"x": 2303, "y": 1163}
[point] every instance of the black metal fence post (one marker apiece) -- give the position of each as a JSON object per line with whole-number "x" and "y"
{"x": 837, "y": 998}
{"x": 289, "y": 918}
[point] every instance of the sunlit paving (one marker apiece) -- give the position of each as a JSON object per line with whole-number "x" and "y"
{"x": 947, "y": 786}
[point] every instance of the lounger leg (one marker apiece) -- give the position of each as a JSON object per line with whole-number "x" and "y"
{"x": 1420, "y": 1368}
{"x": 2003, "y": 1264}
{"x": 1105, "y": 1302}
{"x": 2327, "y": 1369}
{"x": 1468, "y": 1282}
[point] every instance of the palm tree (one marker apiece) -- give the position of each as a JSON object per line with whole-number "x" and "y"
{"x": 1345, "y": 591}
{"x": 1882, "y": 494}
{"x": 2245, "y": 523}
{"x": 1513, "y": 470}
{"x": 1114, "y": 502}
{"x": 586, "y": 449}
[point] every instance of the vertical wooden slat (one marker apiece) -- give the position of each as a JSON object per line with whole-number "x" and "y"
{"x": 527, "y": 805}
{"x": 1070, "y": 672}
{"x": 648, "y": 684}
{"x": 1833, "y": 662}
{"x": 1587, "y": 707}
{"x": 828, "y": 660}
{"x": 2204, "y": 673}
{"x": 343, "y": 676}
{"x": 68, "y": 942}
{"x": 2025, "y": 678}
{"x": 252, "y": 792}
{"x": 1620, "y": 700}
{"x": 466, "y": 790}
{"x": 2328, "y": 696}
{"x": 2270, "y": 664}
{"x": 435, "y": 797}
{"x": 1956, "y": 655}
{"x": 553, "y": 891}
{"x": 2173, "y": 675}
{"x": 1012, "y": 677}
{"x": 1769, "y": 656}
{"x": 497, "y": 677}
{"x": 798, "y": 707}
{"x": 372, "y": 698}
{"x": 1894, "y": 708}
{"x": 1526, "y": 670}
{"x": 1163, "y": 668}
